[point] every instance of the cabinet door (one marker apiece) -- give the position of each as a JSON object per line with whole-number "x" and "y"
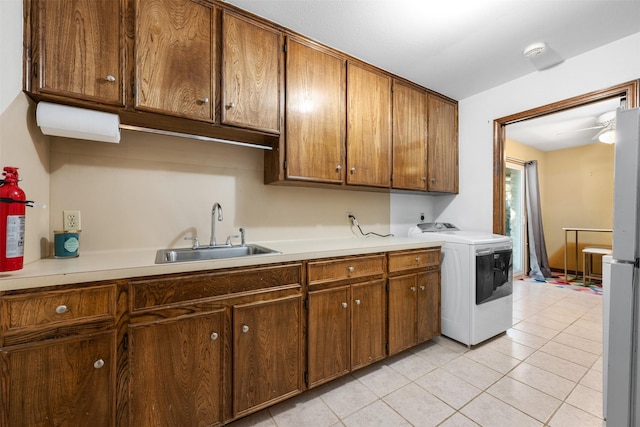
{"x": 174, "y": 47}
{"x": 402, "y": 312}
{"x": 368, "y": 127}
{"x": 409, "y": 138}
{"x": 250, "y": 74}
{"x": 176, "y": 371}
{"x": 428, "y": 304}
{"x": 60, "y": 382}
{"x": 267, "y": 353}
{"x": 368, "y": 318}
{"x": 315, "y": 108}
{"x": 328, "y": 334}
{"x": 442, "y": 156}
{"x": 81, "y": 52}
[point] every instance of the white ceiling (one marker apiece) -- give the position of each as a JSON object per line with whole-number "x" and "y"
{"x": 455, "y": 47}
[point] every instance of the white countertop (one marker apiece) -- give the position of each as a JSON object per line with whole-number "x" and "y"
{"x": 95, "y": 266}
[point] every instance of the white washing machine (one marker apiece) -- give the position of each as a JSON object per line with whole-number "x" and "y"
{"x": 476, "y": 281}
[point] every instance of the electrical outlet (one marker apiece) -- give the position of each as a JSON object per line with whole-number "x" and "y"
{"x": 71, "y": 220}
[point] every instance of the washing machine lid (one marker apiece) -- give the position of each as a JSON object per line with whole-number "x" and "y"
{"x": 449, "y": 233}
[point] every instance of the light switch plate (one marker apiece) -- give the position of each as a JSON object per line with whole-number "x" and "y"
{"x": 70, "y": 220}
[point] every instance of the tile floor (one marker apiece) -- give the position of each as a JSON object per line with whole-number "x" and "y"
{"x": 545, "y": 371}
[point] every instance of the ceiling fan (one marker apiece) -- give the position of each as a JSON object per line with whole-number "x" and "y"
{"x": 606, "y": 122}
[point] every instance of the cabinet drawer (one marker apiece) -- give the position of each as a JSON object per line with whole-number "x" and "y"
{"x": 345, "y": 268}
{"x": 51, "y": 308}
{"x": 401, "y": 261}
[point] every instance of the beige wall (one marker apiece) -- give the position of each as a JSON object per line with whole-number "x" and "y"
{"x": 576, "y": 190}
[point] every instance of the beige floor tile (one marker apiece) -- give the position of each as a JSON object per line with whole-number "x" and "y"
{"x": 458, "y": 420}
{"x": 493, "y": 359}
{"x": 525, "y": 338}
{"x": 381, "y": 379}
{"x": 586, "y": 399}
{"x": 508, "y": 346}
{"x": 570, "y": 416}
{"x": 532, "y": 402}
{"x": 547, "y": 322}
{"x": 346, "y": 395}
{"x": 303, "y": 410}
{"x": 452, "y": 345}
{"x": 585, "y": 332}
{"x": 545, "y": 381}
{"x": 564, "y": 368}
{"x": 472, "y": 372}
{"x": 570, "y": 353}
{"x": 446, "y": 386}
{"x": 594, "y": 347}
{"x": 592, "y": 379}
{"x": 558, "y": 314}
{"x": 410, "y": 365}
{"x": 378, "y": 414}
{"x": 535, "y": 329}
{"x": 488, "y": 411}
{"x": 436, "y": 354}
{"x": 598, "y": 365}
{"x": 259, "y": 419}
{"x": 419, "y": 407}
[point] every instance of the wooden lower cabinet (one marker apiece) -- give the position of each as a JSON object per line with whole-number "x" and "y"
{"x": 176, "y": 370}
{"x": 346, "y": 329}
{"x": 267, "y": 353}
{"x": 60, "y": 382}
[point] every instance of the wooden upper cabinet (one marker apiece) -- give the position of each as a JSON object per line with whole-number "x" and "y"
{"x": 442, "y": 156}
{"x": 174, "y": 54}
{"x": 80, "y": 50}
{"x": 315, "y": 108}
{"x": 251, "y": 56}
{"x": 409, "y": 138}
{"x": 368, "y": 126}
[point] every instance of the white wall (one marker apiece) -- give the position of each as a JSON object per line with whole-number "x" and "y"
{"x": 472, "y": 209}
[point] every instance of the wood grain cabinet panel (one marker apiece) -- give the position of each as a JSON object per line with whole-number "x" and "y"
{"x": 315, "y": 108}
{"x": 355, "y": 267}
{"x": 61, "y": 382}
{"x": 176, "y": 371}
{"x": 368, "y": 127}
{"x": 409, "y": 138}
{"x": 267, "y": 353}
{"x": 442, "y": 145}
{"x": 368, "y": 319}
{"x": 80, "y": 49}
{"x": 250, "y": 73}
{"x": 174, "y": 58}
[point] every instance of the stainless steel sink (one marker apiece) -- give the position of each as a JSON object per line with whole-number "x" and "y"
{"x": 164, "y": 256}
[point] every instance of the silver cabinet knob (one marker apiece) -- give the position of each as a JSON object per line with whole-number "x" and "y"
{"x": 61, "y": 309}
{"x": 214, "y": 335}
{"x": 344, "y": 305}
{"x": 110, "y": 78}
{"x": 357, "y": 302}
{"x": 351, "y": 269}
{"x": 353, "y": 170}
{"x": 204, "y": 100}
{"x": 245, "y": 328}
{"x": 338, "y": 168}
{"x": 413, "y": 289}
{"x": 433, "y": 180}
{"x": 422, "y": 288}
{"x": 417, "y": 259}
{"x": 424, "y": 179}
{"x": 231, "y": 105}
{"x": 98, "y": 364}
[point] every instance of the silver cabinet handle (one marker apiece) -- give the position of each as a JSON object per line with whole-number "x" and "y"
{"x": 61, "y": 309}
{"x": 98, "y": 364}
{"x": 245, "y": 328}
{"x": 357, "y": 302}
{"x": 353, "y": 170}
{"x": 231, "y": 105}
{"x": 110, "y": 78}
{"x": 214, "y": 336}
{"x": 344, "y": 305}
{"x": 338, "y": 168}
{"x": 413, "y": 289}
{"x": 422, "y": 288}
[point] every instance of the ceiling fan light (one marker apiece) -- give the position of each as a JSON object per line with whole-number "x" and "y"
{"x": 608, "y": 136}
{"x": 534, "y": 49}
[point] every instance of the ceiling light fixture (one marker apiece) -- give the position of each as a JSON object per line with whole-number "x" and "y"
{"x": 608, "y": 136}
{"x": 534, "y": 49}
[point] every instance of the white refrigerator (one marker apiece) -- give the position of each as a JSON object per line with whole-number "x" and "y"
{"x": 621, "y": 363}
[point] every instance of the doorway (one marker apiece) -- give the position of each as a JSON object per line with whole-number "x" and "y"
{"x": 627, "y": 91}
{"x": 515, "y": 215}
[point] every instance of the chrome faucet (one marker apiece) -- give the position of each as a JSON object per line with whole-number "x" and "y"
{"x": 217, "y": 206}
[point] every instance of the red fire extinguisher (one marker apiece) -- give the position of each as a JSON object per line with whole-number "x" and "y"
{"x": 12, "y": 221}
